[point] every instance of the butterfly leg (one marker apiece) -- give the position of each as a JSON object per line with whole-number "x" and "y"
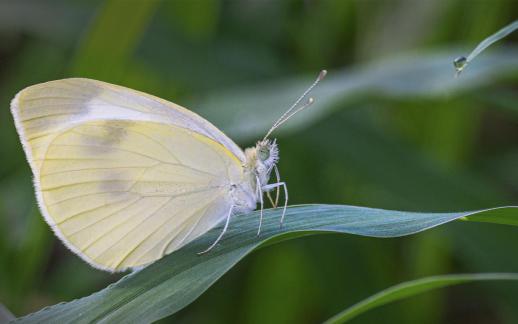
{"x": 271, "y": 199}
{"x": 277, "y": 185}
{"x": 260, "y": 195}
{"x": 222, "y": 232}
{"x": 277, "y": 190}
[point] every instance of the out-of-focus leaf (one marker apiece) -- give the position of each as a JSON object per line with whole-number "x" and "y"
{"x": 247, "y": 112}
{"x": 39, "y": 62}
{"x": 503, "y": 99}
{"x": 198, "y": 19}
{"x": 27, "y": 239}
{"x": 176, "y": 280}
{"x": 414, "y": 287}
{"x": 57, "y": 20}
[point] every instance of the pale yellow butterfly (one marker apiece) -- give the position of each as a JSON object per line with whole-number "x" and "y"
{"x": 124, "y": 178}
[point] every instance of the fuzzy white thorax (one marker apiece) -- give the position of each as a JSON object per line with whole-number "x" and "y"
{"x": 260, "y": 161}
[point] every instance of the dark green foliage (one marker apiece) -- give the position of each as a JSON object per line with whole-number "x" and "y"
{"x": 391, "y": 128}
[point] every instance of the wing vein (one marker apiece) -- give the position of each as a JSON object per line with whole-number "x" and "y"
{"x": 151, "y": 214}
{"x": 46, "y": 116}
{"x": 158, "y": 228}
{"x": 166, "y": 246}
{"x": 86, "y": 211}
{"x": 91, "y": 169}
{"x": 158, "y": 143}
{"x": 54, "y": 203}
{"x": 112, "y": 148}
{"x": 106, "y": 216}
{"x": 80, "y": 183}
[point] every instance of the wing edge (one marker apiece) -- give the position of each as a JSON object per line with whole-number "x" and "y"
{"x": 39, "y": 194}
{"x": 15, "y": 111}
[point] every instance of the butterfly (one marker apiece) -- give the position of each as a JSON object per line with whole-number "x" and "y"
{"x": 124, "y": 178}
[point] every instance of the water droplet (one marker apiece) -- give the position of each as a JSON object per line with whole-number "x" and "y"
{"x": 460, "y": 63}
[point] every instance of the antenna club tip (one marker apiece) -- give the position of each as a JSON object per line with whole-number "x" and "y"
{"x": 322, "y": 74}
{"x": 311, "y": 100}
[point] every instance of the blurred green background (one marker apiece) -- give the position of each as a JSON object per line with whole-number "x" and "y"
{"x": 391, "y": 129}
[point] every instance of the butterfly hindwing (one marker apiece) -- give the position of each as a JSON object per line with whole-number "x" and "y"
{"x": 126, "y": 188}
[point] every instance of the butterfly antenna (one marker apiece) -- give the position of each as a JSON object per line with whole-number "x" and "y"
{"x": 293, "y": 109}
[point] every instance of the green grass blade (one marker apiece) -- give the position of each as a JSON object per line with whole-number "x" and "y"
{"x": 460, "y": 63}
{"x": 176, "y": 280}
{"x": 412, "y": 288}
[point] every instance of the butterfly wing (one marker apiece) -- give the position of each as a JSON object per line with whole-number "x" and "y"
{"x": 127, "y": 188}
{"x": 44, "y": 109}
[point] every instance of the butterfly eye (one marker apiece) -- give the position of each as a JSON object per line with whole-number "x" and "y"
{"x": 263, "y": 153}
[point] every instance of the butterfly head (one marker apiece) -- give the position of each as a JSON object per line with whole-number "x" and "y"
{"x": 267, "y": 152}
{"x": 262, "y": 158}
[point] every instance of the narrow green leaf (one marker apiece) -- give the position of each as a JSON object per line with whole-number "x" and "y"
{"x": 491, "y": 216}
{"x": 176, "y": 280}
{"x": 411, "y": 288}
{"x": 461, "y": 62}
